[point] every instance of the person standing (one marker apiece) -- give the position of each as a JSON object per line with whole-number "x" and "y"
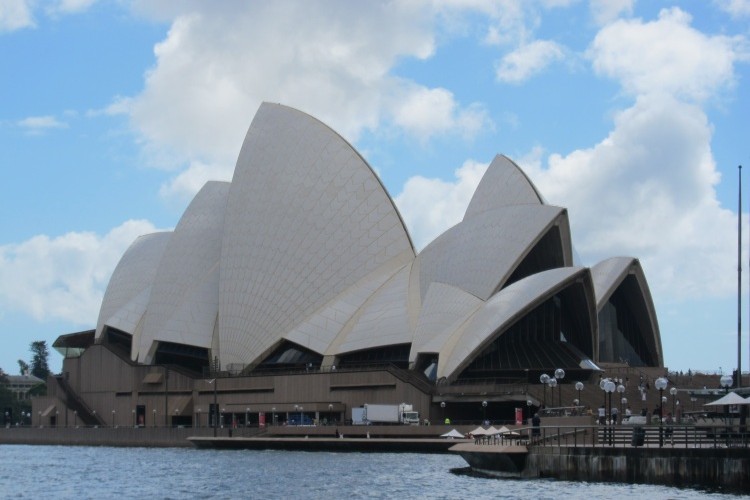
{"x": 535, "y": 427}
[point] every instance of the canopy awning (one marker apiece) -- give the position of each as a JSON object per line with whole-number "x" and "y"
{"x": 452, "y": 434}
{"x": 152, "y": 378}
{"x": 479, "y": 431}
{"x": 181, "y": 405}
{"x": 730, "y": 399}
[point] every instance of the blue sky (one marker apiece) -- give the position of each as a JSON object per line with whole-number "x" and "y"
{"x": 633, "y": 115}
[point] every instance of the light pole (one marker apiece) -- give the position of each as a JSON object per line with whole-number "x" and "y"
{"x": 544, "y": 379}
{"x": 559, "y": 375}
{"x": 609, "y": 388}
{"x": 484, "y": 412}
{"x": 673, "y": 392}
{"x": 621, "y": 391}
{"x": 579, "y": 388}
{"x": 623, "y": 402}
{"x": 273, "y": 415}
{"x": 223, "y": 411}
{"x": 247, "y": 415}
{"x": 57, "y": 418}
{"x": 199, "y": 418}
{"x": 661, "y": 384}
{"x": 528, "y": 405}
{"x": 113, "y": 418}
{"x": 552, "y": 384}
{"x": 726, "y": 382}
{"x": 133, "y": 412}
{"x": 154, "y": 410}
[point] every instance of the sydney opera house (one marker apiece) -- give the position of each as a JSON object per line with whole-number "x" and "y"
{"x": 296, "y": 289}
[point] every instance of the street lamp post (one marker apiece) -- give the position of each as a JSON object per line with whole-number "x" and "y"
{"x": 621, "y": 391}
{"x": 579, "y": 388}
{"x": 154, "y": 412}
{"x": 552, "y": 383}
{"x": 544, "y": 379}
{"x": 661, "y": 384}
{"x": 273, "y": 416}
{"x": 133, "y": 412}
{"x": 559, "y": 375}
{"x": 247, "y": 415}
{"x": 673, "y": 392}
{"x": 484, "y": 412}
{"x": 198, "y": 420}
{"x": 609, "y": 388}
{"x": 113, "y": 418}
{"x": 726, "y": 382}
{"x": 442, "y": 410}
{"x": 528, "y": 405}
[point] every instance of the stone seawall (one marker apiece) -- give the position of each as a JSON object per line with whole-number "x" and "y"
{"x": 104, "y": 436}
{"x": 725, "y": 468}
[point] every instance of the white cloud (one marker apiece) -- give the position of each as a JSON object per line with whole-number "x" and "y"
{"x": 430, "y": 206}
{"x": 63, "y": 277}
{"x": 218, "y": 63}
{"x": 736, "y": 8}
{"x": 527, "y": 60}
{"x": 16, "y": 14}
{"x": 38, "y": 124}
{"x": 606, "y": 11}
{"x": 70, "y": 6}
{"x": 427, "y": 112}
{"x": 190, "y": 181}
{"x": 647, "y": 190}
{"x": 666, "y": 55}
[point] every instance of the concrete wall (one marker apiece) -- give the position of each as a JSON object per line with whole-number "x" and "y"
{"x": 728, "y": 468}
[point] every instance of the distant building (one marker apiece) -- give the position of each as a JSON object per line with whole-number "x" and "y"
{"x": 20, "y": 385}
{"x": 301, "y": 270}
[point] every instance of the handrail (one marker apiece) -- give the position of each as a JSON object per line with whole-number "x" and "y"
{"x": 619, "y": 436}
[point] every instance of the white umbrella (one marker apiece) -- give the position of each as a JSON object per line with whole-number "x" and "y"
{"x": 491, "y": 431}
{"x": 479, "y": 431}
{"x": 452, "y": 434}
{"x": 730, "y": 399}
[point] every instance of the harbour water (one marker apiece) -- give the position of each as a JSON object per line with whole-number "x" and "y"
{"x": 103, "y": 472}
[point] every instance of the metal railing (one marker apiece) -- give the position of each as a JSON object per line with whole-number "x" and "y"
{"x": 650, "y": 436}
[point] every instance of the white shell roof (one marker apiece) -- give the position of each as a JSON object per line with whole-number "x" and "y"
{"x": 500, "y": 312}
{"x": 382, "y": 320}
{"x": 480, "y": 253}
{"x": 307, "y": 218}
{"x": 503, "y": 184}
{"x": 305, "y": 245}
{"x": 133, "y": 276}
{"x": 444, "y": 310}
{"x": 185, "y": 299}
{"x": 320, "y": 331}
{"x": 609, "y": 274}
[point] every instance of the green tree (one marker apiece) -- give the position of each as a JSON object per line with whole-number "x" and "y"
{"x": 23, "y": 367}
{"x": 39, "y": 360}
